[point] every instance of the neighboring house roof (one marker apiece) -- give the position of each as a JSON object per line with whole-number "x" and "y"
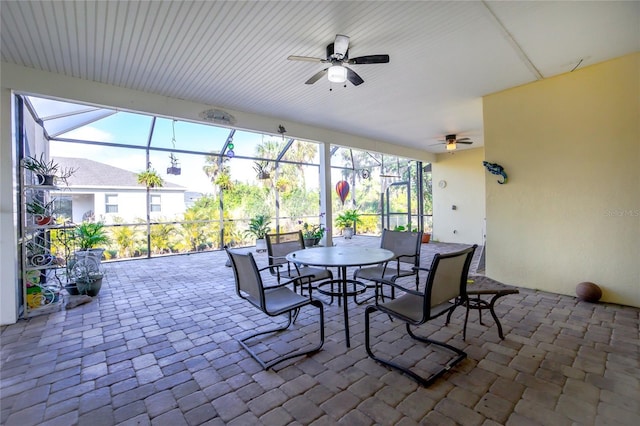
{"x": 91, "y": 173}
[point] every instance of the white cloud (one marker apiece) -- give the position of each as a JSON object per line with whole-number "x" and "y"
{"x": 88, "y": 133}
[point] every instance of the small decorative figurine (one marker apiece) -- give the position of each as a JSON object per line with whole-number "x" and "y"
{"x": 496, "y": 169}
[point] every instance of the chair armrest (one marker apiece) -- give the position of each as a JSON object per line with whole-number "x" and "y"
{"x": 399, "y": 287}
{"x": 420, "y": 268}
{"x": 300, "y": 278}
{"x": 276, "y": 257}
{"x": 269, "y": 267}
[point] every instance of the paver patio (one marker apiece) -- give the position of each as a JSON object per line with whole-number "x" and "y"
{"x": 159, "y": 346}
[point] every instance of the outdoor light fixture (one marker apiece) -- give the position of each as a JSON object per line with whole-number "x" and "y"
{"x": 337, "y": 74}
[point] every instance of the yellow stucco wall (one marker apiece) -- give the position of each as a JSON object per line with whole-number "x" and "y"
{"x": 571, "y": 209}
{"x": 464, "y": 176}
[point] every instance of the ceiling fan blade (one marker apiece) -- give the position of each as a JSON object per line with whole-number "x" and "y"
{"x": 341, "y": 45}
{"x": 305, "y": 58}
{"x": 317, "y": 76}
{"x": 464, "y": 139}
{"x": 354, "y": 78}
{"x": 464, "y": 142}
{"x": 369, "y": 59}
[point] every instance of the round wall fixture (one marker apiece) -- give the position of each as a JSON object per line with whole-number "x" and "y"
{"x": 442, "y": 183}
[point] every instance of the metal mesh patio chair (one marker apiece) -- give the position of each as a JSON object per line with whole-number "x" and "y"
{"x": 444, "y": 290}
{"x": 406, "y": 247}
{"x": 280, "y": 245}
{"x": 273, "y": 301}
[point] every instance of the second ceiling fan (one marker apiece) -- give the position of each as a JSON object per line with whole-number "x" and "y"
{"x": 338, "y": 57}
{"x": 451, "y": 142}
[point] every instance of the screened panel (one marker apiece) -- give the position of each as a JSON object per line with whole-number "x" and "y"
{"x": 64, "y": 125}
{"x": 193, "y": 170}
{"x": 298, "y": 189}
{"x": 248, "y": 144}
{"x": 188, "y": 136}
{"x": 303, "y": 152}
{"x": 132, "y": 160}
{"x": 121, "y": 128}
{"x": 46, "y": 108}
{"x": 342, "y": 158}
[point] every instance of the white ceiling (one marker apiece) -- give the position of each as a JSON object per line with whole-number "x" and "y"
{"x": 444, "y": 55}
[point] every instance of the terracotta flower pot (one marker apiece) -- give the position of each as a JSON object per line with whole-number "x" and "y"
{"x": 426, "y": 238}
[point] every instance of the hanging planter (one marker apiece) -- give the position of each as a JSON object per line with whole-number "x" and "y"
{"x": 150, "y": 178}
{"x": 174, "y": 168}
{"x": 262, "y": 170}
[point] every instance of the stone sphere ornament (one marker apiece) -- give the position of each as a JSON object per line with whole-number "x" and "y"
{"x": 588, "y": 292}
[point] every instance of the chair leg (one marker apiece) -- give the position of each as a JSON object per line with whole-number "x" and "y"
{"x": 267, "y": 365}
{"x": 461, "y": 355}
{"x": 466, "y": 319}
{"x": 457, "y": 302}
{"x": 424, "y": 381}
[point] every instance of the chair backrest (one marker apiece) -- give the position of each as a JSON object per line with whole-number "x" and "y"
{"x": 405, "y": 245}
{"x": 249, "y": 284}
{"x": 280, "y": 245}
{"x": 447, "y": 278}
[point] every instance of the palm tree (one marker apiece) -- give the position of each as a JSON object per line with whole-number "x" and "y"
{"x": 125, "y": 238}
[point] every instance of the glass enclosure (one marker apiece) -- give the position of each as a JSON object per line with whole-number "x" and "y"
{"x": 215, "y": 179}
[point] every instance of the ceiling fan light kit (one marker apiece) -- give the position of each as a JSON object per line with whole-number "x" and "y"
{"x": 451, "y": 142}
{"x": 338, "y": 57}
{"x": 337, "y": 74}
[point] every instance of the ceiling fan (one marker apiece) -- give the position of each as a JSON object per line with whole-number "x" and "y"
{"x": 451, "y": 142}
{"x": 338, "y": 57}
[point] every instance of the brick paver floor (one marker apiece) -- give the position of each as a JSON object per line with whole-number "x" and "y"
{"x": 159, "y": 346}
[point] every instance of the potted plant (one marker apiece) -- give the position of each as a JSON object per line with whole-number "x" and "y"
{"x": 312, "y": 234}
{"x": 223, "y": 180}
{"x": 174, "y": 168}
{"x": 84, "y": 267}
{"x": 87, "y": 275}
{"x": 262, "y": 169}
{"x": 47, "y": 171}
{"x": 150, "y": 178}
{"x": 87, "y": 237}
{"x": 42, "y": 212}
{"x": 347, "y": 221}
{"x": 259, "y": 228}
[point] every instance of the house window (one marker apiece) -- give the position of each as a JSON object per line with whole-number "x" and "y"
{"x": 63, "y": 206}
{"x": 111, "y": 203}
{"x": 155, "y": 203}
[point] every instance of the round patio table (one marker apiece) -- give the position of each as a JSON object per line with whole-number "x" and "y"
{"x": 341, "y": 258}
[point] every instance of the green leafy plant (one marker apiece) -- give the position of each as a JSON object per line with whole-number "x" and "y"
{"x": 259, "y": 226}
{"x": 223, "y": 180}
{"x": 46, "y": 209}
{"x": 262, "y": 169}
{"x": 403, "y": 228}
{"x": 90, "y": 235}
{"x": 348, "y": 219}
{"x": 312, "y": 231}
{"x": 150, "y": 178}
{"x": 43, "y": 167}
